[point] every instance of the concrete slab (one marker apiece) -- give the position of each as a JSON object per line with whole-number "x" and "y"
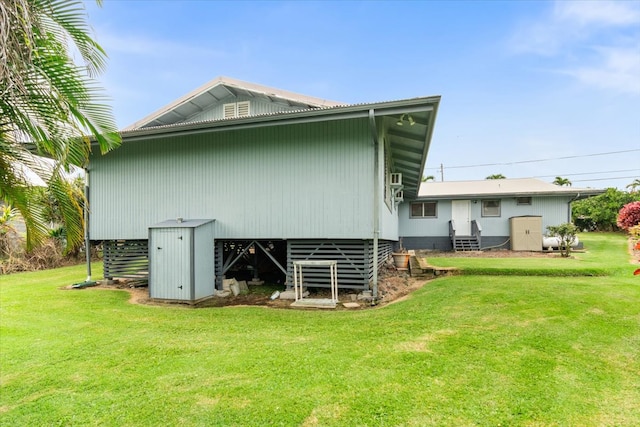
{"x": 292, "y": 295}
{"x": 351, "y": 305}
{"x": 314, "y": 303}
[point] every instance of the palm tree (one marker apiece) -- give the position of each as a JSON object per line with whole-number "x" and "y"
{"x": 428, "y": 178}
{"x": 562, "y": 181}
{"x": 633, "y": 187}
{"x": 48, "y": 104}
{"x": 496, "y": 176}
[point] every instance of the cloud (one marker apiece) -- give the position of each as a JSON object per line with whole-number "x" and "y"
{"x": 598, "y": 13}
{"x": 141, "y": 45}
{"x": 619, "y": 69}
{"x": 596, "y": 42}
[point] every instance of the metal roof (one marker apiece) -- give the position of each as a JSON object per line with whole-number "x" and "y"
{"x": 500, "y": 187}
{"x": 218, "y": 89}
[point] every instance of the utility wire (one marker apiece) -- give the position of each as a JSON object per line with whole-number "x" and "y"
{"x": 537, "y": 160}
{"x": 587, "y": 173}
{"x": 606, "y": 179}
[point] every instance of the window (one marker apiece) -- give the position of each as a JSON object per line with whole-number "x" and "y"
{"x": 522, "y": 201}
{"x": 424, "y": 210}
{"x": 491, "y": 208}
{"x": 236, "y": 109}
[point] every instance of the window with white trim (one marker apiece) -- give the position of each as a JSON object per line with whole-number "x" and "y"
{"x": 424, "y": 210}
{"x": 491, "y": 208}
{"x": 236, "y": 109}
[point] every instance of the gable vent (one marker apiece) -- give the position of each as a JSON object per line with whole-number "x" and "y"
{"x": 229, "y": 111}
{"x": 236, "y": 109}
{"x": 243, "y": 109}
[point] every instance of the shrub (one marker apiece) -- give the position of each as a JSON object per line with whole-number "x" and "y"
{"x": 600, "y": 212}
{"x": 629, "y": 215}
{"x": 50, "y": 254}
{"x": 566, "y": 233}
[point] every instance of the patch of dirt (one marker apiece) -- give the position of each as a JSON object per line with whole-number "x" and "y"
{"x": 393, "y": 285}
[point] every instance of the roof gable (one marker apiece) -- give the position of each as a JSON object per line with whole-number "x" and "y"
{"x": 207, "y": 102}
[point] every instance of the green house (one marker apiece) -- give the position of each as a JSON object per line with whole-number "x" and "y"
{"x": 283, "y": 177}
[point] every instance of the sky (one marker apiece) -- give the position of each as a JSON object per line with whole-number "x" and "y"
{"x": 529, "y": 88}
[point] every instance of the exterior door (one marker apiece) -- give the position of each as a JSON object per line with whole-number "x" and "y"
{"x": 170, "y": 264}
{"x": 461, "y": 215}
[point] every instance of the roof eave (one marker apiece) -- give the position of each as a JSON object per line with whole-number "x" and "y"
{"x": 281, "y": 118}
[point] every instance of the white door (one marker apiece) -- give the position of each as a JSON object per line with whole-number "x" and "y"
{"x": 169, "y": 264}
{"x": 461, "y": 215}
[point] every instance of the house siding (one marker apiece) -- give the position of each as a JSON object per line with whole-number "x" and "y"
{"x": 554, "y": 210}
{"x": 309, "y": 180}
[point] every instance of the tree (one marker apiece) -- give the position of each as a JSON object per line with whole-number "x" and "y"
{"x": 496, "y": 176}
{"x": 566, "y": 234}
{"x": 48, "y": 105}
{"x": 428, "y": 178}
{"x": 562, "y": 181}
{"x": 601, "y": 212}
{"x": 633, "y": 187}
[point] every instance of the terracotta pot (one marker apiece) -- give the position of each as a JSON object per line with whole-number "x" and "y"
{"x": 401, "y": 260}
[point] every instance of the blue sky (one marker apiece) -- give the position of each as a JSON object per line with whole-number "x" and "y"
{"x": 520, "y": 81}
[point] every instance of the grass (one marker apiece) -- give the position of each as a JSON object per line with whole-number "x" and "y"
{"x": 463, "y": 350}
{"x": 605, "y": 255}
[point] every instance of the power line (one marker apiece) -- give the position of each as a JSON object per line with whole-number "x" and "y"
{"x": 536, "y": 161}
{"x": 606, "y": 179}
{"x": 587, "y": 173}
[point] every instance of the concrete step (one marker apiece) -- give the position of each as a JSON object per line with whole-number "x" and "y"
{"x": 421, "y": 269}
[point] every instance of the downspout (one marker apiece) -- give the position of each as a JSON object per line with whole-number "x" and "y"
{"x": 569, "y": 207}
{"x": 376, "y": 201}
{"x": 87, "y": 241}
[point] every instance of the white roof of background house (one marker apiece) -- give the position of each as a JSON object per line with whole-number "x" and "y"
{"x": 220, "y": 88}
{"x": 499, "y": 187}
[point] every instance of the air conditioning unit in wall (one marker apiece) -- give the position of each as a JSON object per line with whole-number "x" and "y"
{"x": 399, "y": 197}
{"x": 396, "y": 179}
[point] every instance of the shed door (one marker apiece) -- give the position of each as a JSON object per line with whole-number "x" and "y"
{"x": 461, "y": 215}
{"x": 171, "y": 264}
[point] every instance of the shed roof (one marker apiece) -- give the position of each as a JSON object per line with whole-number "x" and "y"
{"x": 500, "y": 187}
{"x": 218, "y": 89}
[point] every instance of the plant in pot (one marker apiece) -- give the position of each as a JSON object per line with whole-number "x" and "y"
{"x": 401, "y": 257}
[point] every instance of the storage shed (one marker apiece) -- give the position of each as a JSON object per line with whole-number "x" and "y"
{"x": 526, "y": 233}
{"x": 181, "y": 264}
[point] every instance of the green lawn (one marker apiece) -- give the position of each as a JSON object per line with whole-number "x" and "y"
{"x": 463, "y": 350}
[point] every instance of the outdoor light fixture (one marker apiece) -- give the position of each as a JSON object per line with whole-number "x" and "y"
{"x": 406, "y": 117}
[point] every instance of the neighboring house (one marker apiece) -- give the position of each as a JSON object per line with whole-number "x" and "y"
{"x": 284, "y": 177}
{"x": 481, "y": 214}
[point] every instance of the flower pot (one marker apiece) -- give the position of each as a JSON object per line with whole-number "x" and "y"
{"x": 401, "y": 260}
